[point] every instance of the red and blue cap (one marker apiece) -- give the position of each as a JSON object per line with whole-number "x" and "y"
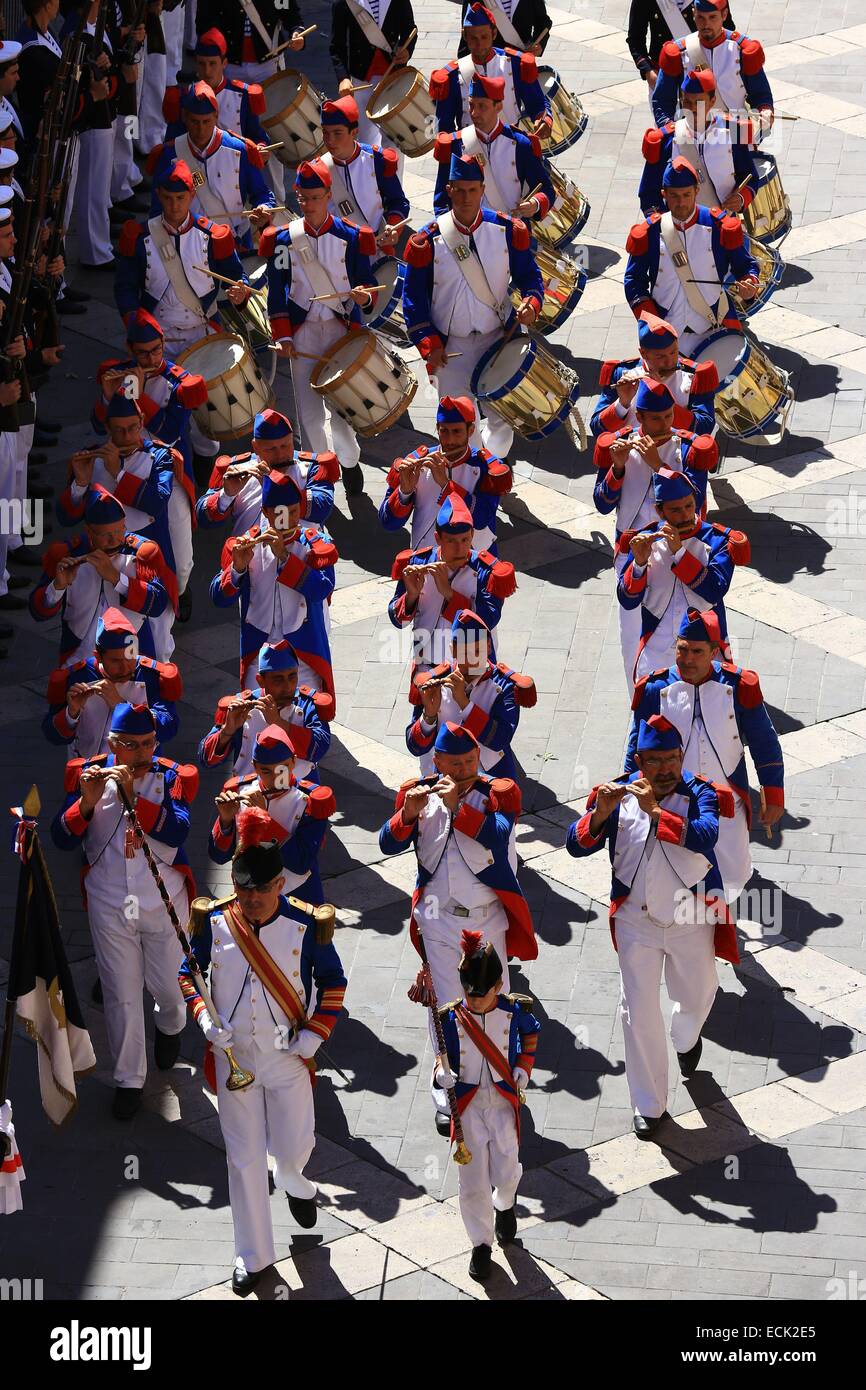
{"x": 277, "y": 656}
{"x": 102, "y": 507}
{"x": 280, "y": 491}
{"x": 142, "y": 327}
{"x": 454, "y": 517}
{"x": 455, "y": 410}
{"x": 313, "y": 173}
{"x": 710, "y": 6}
{"x": 341, "y": 111}
{"x": 270, "y": 424}
{"x": 701, "y": 627}
{"x": 465, "y": 168}
{"x": 177, "y": 177}
{"x": 122, "y": 407}
{"x": 115, "y": 633}
{"x": 199, "y": 100}
{"x": 670, "y": 486}
{"x": 657, "y": 734}
{"x": 468, "y": 624}
{"x": 653, "y": 332}
{"x": 211, "y": 44}
{"x": 698, "y": 82}
{"x": 653, "y": 395}
{"x": 679, "y": 173}
{"x": 454, "y": 739}
{"x": 273, "y": 745}
{"x": 493, "y": 88}
{"x": 477, "y": 15}
{"x": 132, "y": 719}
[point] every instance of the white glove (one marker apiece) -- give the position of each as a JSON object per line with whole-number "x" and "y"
{"x": 305, "y": 1045}
{"x": 6, "y": 1126}
{"x": 444, "y": 1080}
{"x": 219, "y": 1034}
{"x": 521, "y": 1080}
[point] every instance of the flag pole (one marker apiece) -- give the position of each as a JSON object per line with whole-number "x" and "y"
{"x": 27, "y": 812}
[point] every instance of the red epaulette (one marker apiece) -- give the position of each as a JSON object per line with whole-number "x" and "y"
{"x": 749, "y": 692}
{"x": 404, "y": 558}
{"x": 442, "y": 147}
{"x": 321, "y": 553}
{"x": 705, "y": 378}
{"x": 436, "y": 673}
{"x": 267, "y": 242}
{"x": 185, "y": 784}
{"x": 222, "y": 239}
{"x": 752, "y": 57}
{"x": 154, "y": 157}
{"x": 403, "y": 789}
{"x": 130, "y": 233}
{"x": 440, "y": 82}
{"x": 670, "y": 59}
{"x": 234, "y": 782}
{"x": 525, "y": 693}
{"x": 637, "y": 241}
{"x": 75, "y": 767}
{"x": 59, "y": 683}
{"x": 326, "y": 705}
{"x": 502, "y": 581}
{"x": 419, "y": 252}
{"x": 505, "y": 796}
{"x": 254, "y": 154}
{"x": 520, "y": 237}
{"x": 255, "y": 98}
{"x": 528, "y": 65}
{"x": 321, "y": 802}
{"x": 651, "y": 146}
{"x": 739, "y": 548}
{"x": 390, "y": 161}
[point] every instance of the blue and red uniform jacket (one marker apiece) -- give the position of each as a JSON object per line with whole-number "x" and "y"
{"x": 418, "y": 283}
{"x": 446, "y": 90}
{"x": 311, "y": 736}
{"x": 386, "y": 168}
{"x": 710, "y": 582}
{"x": 699, "y": 415}
{"x": 285, "y": 315}
{"x": 251, "y": 108}
{"x": 494, "y": 728}
{"x": 151, "y": 494}
{"x": 161, "y": 680}
{"x": 699, "y": 832}
{"x": 167, "y": 822}
{"x": 254, "y": 191}
{"x": 495, "y": 582}
{"x": 730, "y": 248}
{"x": 300, "y": 849}
{"x": 131, "y": 276}
{"x": 754, "y": 726}
{"x": 313, "y": 577}
{"x": 671, "y": 72}
{"x": 492, "y": 829}
{"x": 657, "y": 152}
{"x": 495, "y": 479}
{"x": 317, "y": 494}
{"x": 699, "y": 455}
{"x": 530, "y": 167}
{"x": 171, "y": 420}
{"x": 150, "y": 592}
{"x": 522, "y": 1044}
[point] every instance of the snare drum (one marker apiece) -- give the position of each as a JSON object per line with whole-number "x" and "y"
{"x": 564, "y": 282}
{"x": 403, "y": 108}
{"x": 386, "y": 316}
{"x": 569, "y": 213}
{"x": 364, "y": 382}
{"x": 527, "y": 386}
{"x": 250, "y": 321}
{"x": 768, "y": 216}
{"x": 292, "y": 107}
{"x": 754, "y": 397}
{"x": 236, "y": 390}
{"x": 569, "y": 117}
{"x": 771, "y": 268}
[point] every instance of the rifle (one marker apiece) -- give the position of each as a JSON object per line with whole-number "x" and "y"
{"x": 126, "y": 54}
{"x": 22, "y": 412}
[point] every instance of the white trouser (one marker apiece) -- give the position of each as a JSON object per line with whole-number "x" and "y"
{"x": 125, "y": 176}
{"x": 453, "y": 379}
{"x": 180, "y": 530}
{"x": 256, "y": 72}
{"x": 190, "y": 10}
{"x": 274, "y": 1115}
{"x": 93, "y": 196}
{"x": 685, "y": 955}
{"x": 132, "y": 954}
{"x": 151, "y": 122}
{"x": 316, "y": 336}
{"x": 733, "y": 855}
{"x": 490, "y": 1181}
{"x": 629, "y": 626}
{"x": 173, "y": 27}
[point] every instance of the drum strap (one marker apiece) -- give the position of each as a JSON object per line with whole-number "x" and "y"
{"x": 368, "y": 26}
{"x": 689, "y": 150}
{"x": 680, "y": 262}
{"x": 316, "y": 273}
{"x": 256, "y": 21}
{"x": 474, "y": 145}
{"x": 209, "y": 200}
{"x": 673, "y": 18}
{"x": 174, "y": 267}
{"x": 507, "y": 31}
{"x": 697, "y": 61}
{"x": 469, "y": 265}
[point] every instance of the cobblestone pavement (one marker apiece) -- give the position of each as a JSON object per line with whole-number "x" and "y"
{"x": 758, "y": 1188}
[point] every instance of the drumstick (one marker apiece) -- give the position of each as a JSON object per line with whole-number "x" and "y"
{"x": 364, "y": 87}
{"x": 245, "y": 212}
{"x": 302, "y": 34}
{"x": 543, "y": 35}
{"x": 224, "y": 280}
{"x": 278, "y": 145}
{"x": 338, "y": 294}
{"x": 404, "y": 44}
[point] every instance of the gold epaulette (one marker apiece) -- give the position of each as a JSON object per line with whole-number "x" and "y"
{"x": 520, "y": 998}
{"x": 200, "y": 910}
{"x": 446, "y": 1008}
{"x": 324, "y": 916}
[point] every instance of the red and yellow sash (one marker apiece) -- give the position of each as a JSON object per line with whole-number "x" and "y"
{"x": 491, "y": 1054}
{"x": 263, "y": 964}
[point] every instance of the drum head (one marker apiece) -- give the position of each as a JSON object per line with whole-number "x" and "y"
{"x": 399, "y": 86}
{"x": 508, "y": 363}
{"x": 213, "y": 357}
{"x": 281, "y": 90}
{"x": 549, "y": 80}
{"x": 730, "y": 352}
{"x": 341, "y": 358}
{"x": 385, "y": 272}
{"x": 766, "y": 167}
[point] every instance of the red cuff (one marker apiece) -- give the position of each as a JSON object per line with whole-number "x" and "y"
{"x": 136, "y": 596}
{"x": 126, "y": 489}
{"x": 543, "y": 204}
{"x": 774, "y": 796}
{"x": 633, "y": 583}
{"x": 420, "y": 735}
{"x": 453, "y": 607}
{"x": 292, "y": 571}
{"x": 671, "y": 828}
{"x": 398, "y": 827}
{"x": 223, "y": 839}
{"x": 584, "y": 838}
{"x": 281, "y": 328}
{"x": 612, "y": 482}
{"x": 476, "y": 720}
{"x": 74, "y": 820}
{"x": 398, "y": 508}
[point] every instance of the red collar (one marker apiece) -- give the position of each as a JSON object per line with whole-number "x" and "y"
{"x": 221, "y": 88}
{"x": 455, "y": 463}
{"x": 352, "y": 157}
{"x": 325, "y": 227}
{"x": 684, "y": 226}
{"x": 202, "y": 155}
{"x": 467, "y": 231}
{"x": 179, "y": 231}
{"x": 714, "y": 43}
{"x": 491, "y": 55}
{"x": 488, "y": 139}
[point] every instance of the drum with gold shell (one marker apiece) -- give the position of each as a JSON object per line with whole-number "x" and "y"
{"x": 365, "y": 382}
{"x": 564, "y": 282}
{"x": 569, "y": 117}
{"x": 525, "y": 384}
{"x": 567, "y": 217}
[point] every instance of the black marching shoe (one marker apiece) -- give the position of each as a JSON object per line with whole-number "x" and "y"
{"x": 166, "y": 1049}
{"x": 184, "y": 607}
{"x": 96, "y": 992}
{"x": 505, "y": 1225}
{"x": 18, "y": 581}
{"x": 689, "y": 1060}
{"x": 23, "y": 556}
{"x": 304, "y": 1211}
{"x": 10, "y": 604}
{"x": 479, "y": 1265}
{"x": 645, "y": 1126}
{"x": 353, "y": 480}
{"x": 43, "y": 439}
{"x": 70, "y": 306}
{"x": 243, "y": 1282}
{"x": 443, "y": 1123}
{"x": 126, "y": 1103}
{"x": 74, "y": 297}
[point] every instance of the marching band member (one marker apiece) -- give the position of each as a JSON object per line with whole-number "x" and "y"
{"x": 157, "y": 260}
{"x": 676, "y": 564}
{"x": 490, "y": 1041}
{"x": 318, "y": 255}
{"x": 660, "y": 826}
{"x": 471, "y": 692}
{"x": 678, "y": 260}
{"x": 513, "y": 166}
{"x": 436, "y": 583}
{"x": 736, "y": 62}
{"x": 367, "y": 37}
{"x": 628, "y": 461}
{"x": 418, "y": 484}
{"x": 651, "y": 24}
{"x": 109, "y": 567}
{"x": 719, "y": 711}
{"x": 365, "y": 179}
{"x": 264, "y": 949}
{"x": 461, "y": 826}
{"x": 234, "y": 492}
{"x": 239, "y": 104}
{"x": 709, "y": 141}
{"x": 83, "y": 697}
{"x": 523, "y": 95}
{"x": 283, "y": 584}
{"x": 298, "y": 811}
{"x": 279, "y": 700}
{"x": 692, "y": 384}
{"x": 226, "y": 168}
{"x": 252, "y": 29}
{"x": 134, "y": 942}
{"x": 459, "y": 270}
{"x": 522, "y": 24}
